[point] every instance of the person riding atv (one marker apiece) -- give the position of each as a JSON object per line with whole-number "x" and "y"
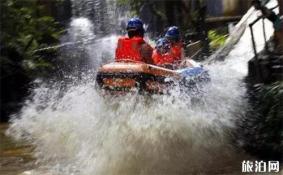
{"x": 134, "y": 47}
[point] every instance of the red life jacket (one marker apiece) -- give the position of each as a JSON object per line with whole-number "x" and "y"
{"x": 176, "y": 51}
{"x": 160, "y": 59}
{"x": 129, "y": 48}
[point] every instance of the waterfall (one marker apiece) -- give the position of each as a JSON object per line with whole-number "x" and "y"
{"x": 92, "y": 35}
{"x": 106, "y": 15}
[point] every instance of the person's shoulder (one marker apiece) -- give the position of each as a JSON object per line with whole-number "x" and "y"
{"x": 122, "y": 38}
{"x": 145, "y": 45}
{"x": 138, "y": 39}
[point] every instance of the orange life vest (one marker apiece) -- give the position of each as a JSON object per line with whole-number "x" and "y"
{"x": 160, "y": 59}
{"x": 129, "y": 48}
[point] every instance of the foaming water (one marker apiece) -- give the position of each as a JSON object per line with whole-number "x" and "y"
{"x": 76, "y": 131}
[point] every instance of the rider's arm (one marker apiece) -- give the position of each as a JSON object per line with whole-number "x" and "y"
{"x": 146, "y": 53}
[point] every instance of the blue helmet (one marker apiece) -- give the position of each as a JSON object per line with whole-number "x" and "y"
{"x": 173, "y": 33}
{"x": 162, "y": 45}
{"x": 135, "y": 24}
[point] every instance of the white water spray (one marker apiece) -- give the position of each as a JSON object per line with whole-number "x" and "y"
{"x": 81, "y": 29}
{"x": 84, "y": 48}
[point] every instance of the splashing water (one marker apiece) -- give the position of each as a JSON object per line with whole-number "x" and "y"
{"x": 81, "y": 29}
{"x": 85, "y": 49}
{"x": 76, "y": 131}
{"x": 105, "y": 14}
{"x": 85, "y": 134}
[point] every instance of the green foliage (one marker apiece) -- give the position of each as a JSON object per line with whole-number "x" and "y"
{"x": 269, "y": 125}
{"x": 24, "y": 28}
{"x": 261, "y": 130}
{"x": 216, "y": 39}
{"x": 271, "y": 98}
